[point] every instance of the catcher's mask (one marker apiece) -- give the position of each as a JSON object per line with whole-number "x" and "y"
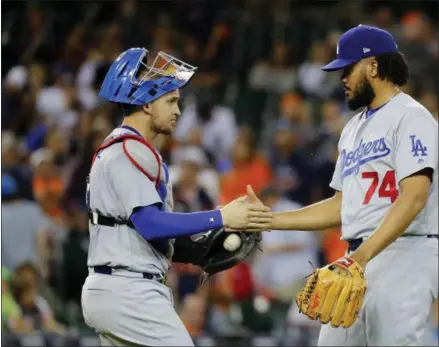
{"x": 130, "y": 80}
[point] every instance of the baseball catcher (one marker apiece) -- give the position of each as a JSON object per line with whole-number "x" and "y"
{"x": 134, "y": 233}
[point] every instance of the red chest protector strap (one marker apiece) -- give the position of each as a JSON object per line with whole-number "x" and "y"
{"x": 123, "y": 138}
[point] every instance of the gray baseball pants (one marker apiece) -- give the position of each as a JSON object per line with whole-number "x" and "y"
{"x": 127, "y": 311}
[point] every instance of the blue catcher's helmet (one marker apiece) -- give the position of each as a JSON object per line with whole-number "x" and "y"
{"x": 127, "y": 83}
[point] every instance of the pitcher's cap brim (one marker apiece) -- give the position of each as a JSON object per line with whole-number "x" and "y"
{"x": 338, "y": 64}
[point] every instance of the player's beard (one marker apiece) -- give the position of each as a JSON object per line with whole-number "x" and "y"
{"x": 161, "y": 129}
{"x": 362, "y": 97}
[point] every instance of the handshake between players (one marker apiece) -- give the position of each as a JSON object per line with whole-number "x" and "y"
{"x": 246, "y": 213}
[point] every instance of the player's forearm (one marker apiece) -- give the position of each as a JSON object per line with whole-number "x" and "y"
{"x": 401, "y": 214}
{"x": 319, "y": 216}
{"x": 153, "y": 224}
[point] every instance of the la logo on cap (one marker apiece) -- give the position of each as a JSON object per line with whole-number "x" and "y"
{"x": 366, "y": 50}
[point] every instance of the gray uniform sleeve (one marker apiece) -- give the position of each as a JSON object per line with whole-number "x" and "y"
{"x": 132, "y": 187}
{"x": 336, "y": 182}
{"x": 416, "y": 145}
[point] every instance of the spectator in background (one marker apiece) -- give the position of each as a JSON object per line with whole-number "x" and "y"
{"x": 332, "y": 118}
{"x": 293, "y": 173}
{"x": 248, "y": 167}
{"x": 73, "y": 53}
{"x": 420, "y": 47}
{"x": 76, "y": 185}
{"x": 384, "y": 18}
{"x": 12, "y": 317}
{"x": 36, "y": 309}
{"x": 207, "y": 76}
{"x": 13, "y": 165}
{"x": 55, "y": 103}
{"x": 191, "y": 163}
{"x": 430, "y": 100}
{"x": 86, "y": 91}
{"x": 35, "y": 38}
{"x": 312, "y": 79}
{"x": 218, "y": 46}
{"x": 332, "y": 121}
{"x": 228, "y": 290}
{"x": 418, "y": 29}
{"x": 295, "y": 113}
{"x": 324, "y": 168}
{"x": 48, "y": 190}
{"x": 48, "y": 187}
{"x": 207, "y": 124}
{"x": 325, "y": 145}
{"x": 13, "y": 90}
{"x": 193, "y": 314}
{"x": 37, "y": 78}
{"x": 28, "y": 122}
{"x": 189, "y": 195}
{"x": 24, "y": 236}
{"x": 277, "y": 75}
{"x": 284, "y": 262}
{"x": 59, "y": 144}
{"x": 129, "y": 18}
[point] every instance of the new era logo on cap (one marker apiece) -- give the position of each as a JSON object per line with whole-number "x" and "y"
{"x": 361, "y": 42}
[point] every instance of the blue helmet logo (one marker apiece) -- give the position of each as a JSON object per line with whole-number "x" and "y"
{"x": 130, "y": 80}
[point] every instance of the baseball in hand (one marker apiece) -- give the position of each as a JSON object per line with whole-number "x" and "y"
{"x": 232, "y": 243}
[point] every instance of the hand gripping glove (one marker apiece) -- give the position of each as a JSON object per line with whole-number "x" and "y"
{"x": 334, "y": 294}
{"x": 217, "y": 259}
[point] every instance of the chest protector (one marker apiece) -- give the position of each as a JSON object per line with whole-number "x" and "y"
{"x": 148, "y": 161}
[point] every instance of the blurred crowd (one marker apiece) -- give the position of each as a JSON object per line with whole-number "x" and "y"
{"x": 259, "y": 111}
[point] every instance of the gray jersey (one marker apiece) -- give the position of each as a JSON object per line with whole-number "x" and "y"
{"x": 375, "y": 154}
{"x": 116, "y": 187}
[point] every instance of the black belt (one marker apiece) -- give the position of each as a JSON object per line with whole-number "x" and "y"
{"x": 107, "y": 270}
{"x": 354, "y": 244}
{"x": 98, "y": 219}
{"x": 161, "y": 246}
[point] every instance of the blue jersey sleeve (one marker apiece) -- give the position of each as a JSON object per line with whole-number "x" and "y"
{"x": 153, "y": 223}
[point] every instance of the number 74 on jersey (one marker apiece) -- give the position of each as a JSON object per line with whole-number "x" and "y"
{"x": 386, "y": 186}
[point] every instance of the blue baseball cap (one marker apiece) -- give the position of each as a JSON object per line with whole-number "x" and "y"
{"x": 361, "y": 42}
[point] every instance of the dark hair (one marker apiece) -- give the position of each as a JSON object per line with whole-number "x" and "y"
{"x": 393, "y": 68}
